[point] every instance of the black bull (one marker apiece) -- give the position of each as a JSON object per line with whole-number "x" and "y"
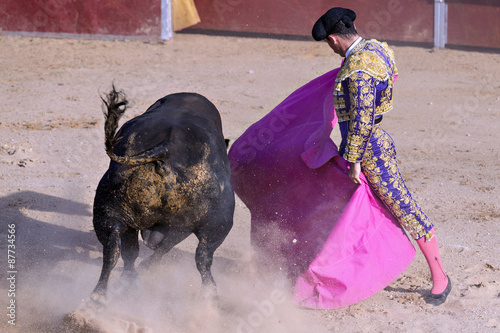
{"x": 169, "y": 176}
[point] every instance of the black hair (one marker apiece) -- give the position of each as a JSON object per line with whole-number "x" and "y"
{"x": 344, "y": 28}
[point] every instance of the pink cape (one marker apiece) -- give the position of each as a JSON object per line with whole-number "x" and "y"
{"x": 335, "y": 238}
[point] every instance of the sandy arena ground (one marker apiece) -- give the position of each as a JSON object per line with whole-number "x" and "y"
{"x": 446, "y": 125}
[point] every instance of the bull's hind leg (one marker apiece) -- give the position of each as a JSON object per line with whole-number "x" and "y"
{"x": 130, "y": 252}
{"x": 110, "y": 255}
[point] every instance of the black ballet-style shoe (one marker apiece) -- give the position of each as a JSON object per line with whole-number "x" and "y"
{"x": 438, "y": 299}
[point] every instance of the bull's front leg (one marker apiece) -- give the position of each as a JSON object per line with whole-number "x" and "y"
{"x": 110, "y": 255}
{"x": 210, "y": 238}
{"x": 204, "y": 259}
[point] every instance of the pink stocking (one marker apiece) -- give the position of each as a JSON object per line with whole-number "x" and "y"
{"x": 430, "y": 250}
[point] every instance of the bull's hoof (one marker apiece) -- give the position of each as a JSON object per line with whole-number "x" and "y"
{"x": 129, "y": 276}
{"x": 209, "y": 293}
{"x": 97, "y": 299}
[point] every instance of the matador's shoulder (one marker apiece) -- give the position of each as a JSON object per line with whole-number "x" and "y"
{"x": 371, "y": 57}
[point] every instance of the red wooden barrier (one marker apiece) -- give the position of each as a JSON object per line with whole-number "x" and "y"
{"x": 104, "y": 17}
{"x": 401, "y": 20}
{"x": 474, "y": 22}
{"x": 470, "y": 22}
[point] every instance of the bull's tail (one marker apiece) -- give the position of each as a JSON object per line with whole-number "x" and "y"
{"x": 116, "y": 104}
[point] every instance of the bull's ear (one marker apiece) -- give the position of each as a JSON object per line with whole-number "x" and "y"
{"x": 227, "y": 143}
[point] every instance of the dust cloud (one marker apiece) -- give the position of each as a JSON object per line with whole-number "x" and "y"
{"x": 54, "y": 293}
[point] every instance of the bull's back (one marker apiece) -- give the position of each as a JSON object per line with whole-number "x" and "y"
{"x": 196, "y": 104}
{"x": 182, "y": 118}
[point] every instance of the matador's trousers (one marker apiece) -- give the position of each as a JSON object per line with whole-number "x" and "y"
{"x": 381, "y": 170}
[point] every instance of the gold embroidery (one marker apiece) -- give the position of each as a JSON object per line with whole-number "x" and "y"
{"x": 361, "y": 89}
{"x": 375, "y": 59}
{"x": 393, "y": 191}
{"x": 429, "y": 236}
{"x": 339, "y": 101}
{"x": 356, "y": 140}
{"x": 366, "y": 62}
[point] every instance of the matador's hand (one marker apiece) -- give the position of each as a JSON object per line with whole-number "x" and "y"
{"x": 354, "y": 172}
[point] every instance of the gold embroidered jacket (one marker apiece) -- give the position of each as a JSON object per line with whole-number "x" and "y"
{"x": 363, "y": 91}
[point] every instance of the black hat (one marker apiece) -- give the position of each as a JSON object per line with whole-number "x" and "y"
{"x": 324, "y": 25}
